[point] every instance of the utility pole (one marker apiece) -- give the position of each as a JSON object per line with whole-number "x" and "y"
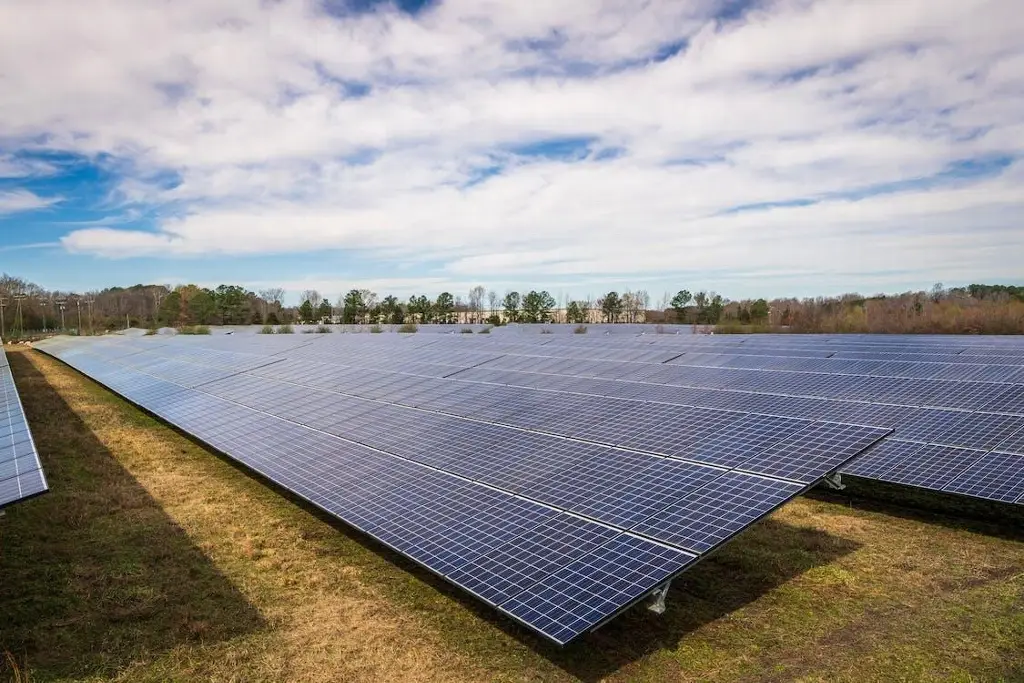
{"x": 43, "y": 304}
{"x": 78, "y": 300}
{"x": 17, "y": 316}
{"x": 157, "y": 297}
{"x": 3, "y": 325}
{"x": 61, "y": 303}
{"x": 89, "y": 301}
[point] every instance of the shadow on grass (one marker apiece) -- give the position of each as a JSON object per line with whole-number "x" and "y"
{"x": 95, "y": 575}
{"x": 991, "y": 518}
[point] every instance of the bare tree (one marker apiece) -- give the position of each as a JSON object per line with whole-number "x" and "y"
{"x": 493, "y": 299}
{"x": 312, "y": 296}
{"x": 476, "y": 300}
{"x": 272, "y": 299}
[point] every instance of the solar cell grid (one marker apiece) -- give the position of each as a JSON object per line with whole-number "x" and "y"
{"x": 979, "y": 430}
{"x": 588, "y": 590}
{"x": 1010, "y": 402}
{"x": 628, "y": 418}
{"x": 455, "y": 527}
{"x": 627, "y": 499}
{"x": 676, "y": 436}
{"x": 993, "y": 476}
{"x": 507, "y": 570}
{"x": 925, "y": 424}
{"x": 1014, "y": 443}
{"x": 739, "y": 440}
{"x": 823, "y": 446}
{"x": 703, "y": 519}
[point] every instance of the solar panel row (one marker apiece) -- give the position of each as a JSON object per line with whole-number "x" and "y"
{"x": 961, "y": 428}
{"x": 21, "y": 473}
{"x": 423, "y": 465}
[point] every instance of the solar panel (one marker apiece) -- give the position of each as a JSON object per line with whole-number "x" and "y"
{"x": 993, "y": 476}
{"x": 587, "y": 591}
{"x": 21, "y": 473}
{"x": 914, "y": 464}
{"x": 705, "y": 518}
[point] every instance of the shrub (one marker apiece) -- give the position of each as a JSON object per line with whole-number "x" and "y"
{"x": 285, "y": 329}
{"x": 194, "y": 329}
{"x": 323, "y": 329}
{"x": 377, "y": 329}
{"x": 267, "y": 329}
{"x": 545, "y": 331}
{"x": 151, "y": 332}
{"x": 408, "y": 328}
{"x": 580, "y": 329}
{"x": 467, "y": 330}
{"x": 486, "y": 330}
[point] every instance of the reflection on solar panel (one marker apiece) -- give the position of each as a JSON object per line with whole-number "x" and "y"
{"x": 560, "y": 509}
{"x": 563, "y": 479}
{"x": 21, "y": 474}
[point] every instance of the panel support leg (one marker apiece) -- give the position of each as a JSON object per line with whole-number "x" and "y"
{"x": 657, "y": 604}
{"x": 834, "y": 481}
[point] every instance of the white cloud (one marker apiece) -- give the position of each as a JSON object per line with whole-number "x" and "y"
{"x": 14, "y": 201}
{"x": 12, "y": 166}
{"x": 797, "y": 100}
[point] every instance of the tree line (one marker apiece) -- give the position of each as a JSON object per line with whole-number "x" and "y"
{"x": 25, "y": 306}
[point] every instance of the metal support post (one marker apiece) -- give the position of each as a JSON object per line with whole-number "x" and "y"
{"x": 657, "y": 604}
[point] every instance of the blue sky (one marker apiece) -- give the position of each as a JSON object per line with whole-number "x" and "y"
{"x": 753, "y": 148}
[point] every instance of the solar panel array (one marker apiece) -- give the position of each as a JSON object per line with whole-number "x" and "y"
{"x": 21, "y": 474}
{"x": 559, "y": 498}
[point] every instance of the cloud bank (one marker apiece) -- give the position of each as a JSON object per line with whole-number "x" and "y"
{"x": 832, "y": 140}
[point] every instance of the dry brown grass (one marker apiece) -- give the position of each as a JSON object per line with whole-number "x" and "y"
{"x": 154, "y": 560}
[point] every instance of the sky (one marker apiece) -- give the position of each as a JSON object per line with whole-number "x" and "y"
{"x": 797, "y": 147}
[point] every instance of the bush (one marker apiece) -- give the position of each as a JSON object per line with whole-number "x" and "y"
{"x": 151, "y": 332}
{"x": 323, "y": 329}
{"x": 486, "y": 330}
{"x": 494, "y": 320}
{"x": 580, "y": 329}
{"x": 467, "y": 330}
{"x": 545, "y": 331}
{"x": 194, "y": 329}
{"x": 377, "y": 329}
{"x": 285, "y": 329}
{"x": 267, "y": 329}
{"x": 408, "y": 328}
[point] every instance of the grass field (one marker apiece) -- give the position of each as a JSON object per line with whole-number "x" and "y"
{"x": 153, "y": 559}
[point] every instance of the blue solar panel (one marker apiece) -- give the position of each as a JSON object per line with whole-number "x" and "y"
{"x": 582, "y": 594}
{"x": 507, "y": 570}
{"x": 621, "y": 488}
{"x": 707, "y": 517}
{"x": 21, "y": 473}
{"x": 914, "y": 464}
{"x": 824, "y": 446}
{"x": 979, "y": 430}
{"x": 994, "y": 476}
{"x": 740, "y": 440}
{"x": 1013, "y": 443}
